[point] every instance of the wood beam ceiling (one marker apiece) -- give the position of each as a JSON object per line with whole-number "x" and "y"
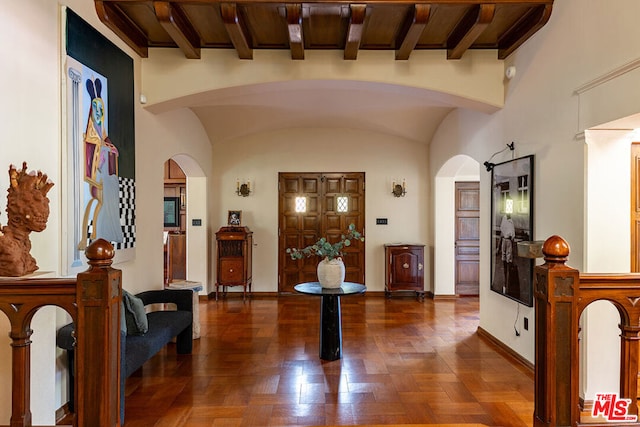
{"x": 178, "y": 27}
{"x": 400, "y": 25}
{"x": 414, "y": 26}
{"x": 237, "y": 30}
{"x": 354, "y": 33}
{"x": 469, "y": 29}
{"x": 117, "y": 22}
{"x": 295, "y": 31}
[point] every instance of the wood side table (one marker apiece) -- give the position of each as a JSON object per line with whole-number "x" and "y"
{"x": 330, "y": 315}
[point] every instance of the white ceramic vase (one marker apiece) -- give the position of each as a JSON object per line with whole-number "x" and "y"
{"x": 331, "y": 273}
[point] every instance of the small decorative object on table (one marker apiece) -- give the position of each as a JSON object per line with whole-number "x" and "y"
{"x": 27, "y": 210}
{"x": 331, "y": 269}
{"x": 234, "y": 218}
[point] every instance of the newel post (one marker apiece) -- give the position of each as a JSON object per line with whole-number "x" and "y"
{"x": 98, "y": 339}
{"x": 556, "y": 350}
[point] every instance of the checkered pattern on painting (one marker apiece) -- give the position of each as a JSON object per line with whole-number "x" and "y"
{"x": 127, "y": 214}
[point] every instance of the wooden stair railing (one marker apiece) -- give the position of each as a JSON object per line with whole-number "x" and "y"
{"x": 93, "y": 301}
{"x": 561, "y": 295}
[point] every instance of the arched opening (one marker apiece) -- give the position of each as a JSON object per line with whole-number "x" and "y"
{"x": 192, "y": 197}
{"x": 599, "y": 349}
{"x": 460, "y": 168}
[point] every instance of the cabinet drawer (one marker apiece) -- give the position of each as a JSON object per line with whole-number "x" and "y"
{"x": 231, "y": 270}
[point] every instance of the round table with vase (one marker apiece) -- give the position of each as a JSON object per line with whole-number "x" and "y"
{"x": 330, "y": 317}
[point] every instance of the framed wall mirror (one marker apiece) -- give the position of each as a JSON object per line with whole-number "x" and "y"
{"x": 512, "y": 222}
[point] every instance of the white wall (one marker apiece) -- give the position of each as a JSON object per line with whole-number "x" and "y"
{"x": 29, "y": 111}
{"x": 381, "y": 157}
{"x": 30, "y": 130}
{"x": 607, "y": 249}
{"x": 545, "y": 116}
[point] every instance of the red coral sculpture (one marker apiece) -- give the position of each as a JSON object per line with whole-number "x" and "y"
{"x": 27, "y": 211}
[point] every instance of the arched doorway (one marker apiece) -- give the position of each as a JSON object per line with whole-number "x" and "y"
{"x": 195, "y": 223}
{"x": 460, "y": 168}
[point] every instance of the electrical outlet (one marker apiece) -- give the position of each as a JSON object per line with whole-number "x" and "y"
{"x": 526, "y": 323}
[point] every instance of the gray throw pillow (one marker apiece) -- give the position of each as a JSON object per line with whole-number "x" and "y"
{"x": 135, "y": 316}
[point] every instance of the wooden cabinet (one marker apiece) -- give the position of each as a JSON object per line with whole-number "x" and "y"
{"x": 175, "y": 257}
{"x": 404, "y": 268}
{"x": 234, "y": 245}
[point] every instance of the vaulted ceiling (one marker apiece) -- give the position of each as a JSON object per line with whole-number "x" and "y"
{"x": 400, "y": 25}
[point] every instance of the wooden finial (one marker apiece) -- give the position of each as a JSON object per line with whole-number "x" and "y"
{"x": 556, "y": 249}
{"x": 100, "y": 253}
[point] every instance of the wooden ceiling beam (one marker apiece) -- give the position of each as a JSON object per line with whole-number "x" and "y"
{"x": 526, "y": 27}
{"x": 117, "y": 22}
{"x": 237, "y": 30}
{"x": 294, "y": 29}
{"x": 354, "y": 33}
{"x": 469, "y": 29}
{"x": 414, "y": 25}
{"x": 177, "y": 25}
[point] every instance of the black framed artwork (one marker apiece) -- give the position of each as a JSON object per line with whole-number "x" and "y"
{"x": 172, "y": 212}
{"x": 511, "y": 223}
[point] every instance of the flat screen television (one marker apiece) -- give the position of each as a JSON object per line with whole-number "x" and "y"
{"x": 172, "y": 212}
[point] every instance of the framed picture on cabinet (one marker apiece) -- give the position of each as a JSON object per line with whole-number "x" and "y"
{"x": 512, "y": 222}
{"x": 234, "y": 218}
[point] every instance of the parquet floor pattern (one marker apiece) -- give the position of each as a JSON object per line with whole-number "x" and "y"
{"x": 404, "y": 362}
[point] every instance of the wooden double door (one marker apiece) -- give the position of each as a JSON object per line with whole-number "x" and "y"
{"x": 315, "y": 205}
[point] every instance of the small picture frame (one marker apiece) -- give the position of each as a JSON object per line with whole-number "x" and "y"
{"x": 234, "y": 218}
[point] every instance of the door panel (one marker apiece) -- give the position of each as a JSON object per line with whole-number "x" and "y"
{"x": 467, "y": 244}
{"x": 323, "y": 192}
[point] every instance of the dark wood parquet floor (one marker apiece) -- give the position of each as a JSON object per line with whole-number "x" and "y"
{"x": 404, "y": 362}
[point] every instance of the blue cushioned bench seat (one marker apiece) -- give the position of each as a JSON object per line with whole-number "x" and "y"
{"x": 137, "y": 349}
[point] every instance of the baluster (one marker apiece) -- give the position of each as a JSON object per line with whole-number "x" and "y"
{"x": 21, "y": 371}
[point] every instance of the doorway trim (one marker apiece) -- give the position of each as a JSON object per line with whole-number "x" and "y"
{"x": 457, "y": 168}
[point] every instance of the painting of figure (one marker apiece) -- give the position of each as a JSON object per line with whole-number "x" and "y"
{"x": 100, "y": 149}
{"x": 101, "y": 172}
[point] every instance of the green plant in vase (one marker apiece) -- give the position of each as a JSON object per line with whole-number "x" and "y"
{"x": 331, "y": 269}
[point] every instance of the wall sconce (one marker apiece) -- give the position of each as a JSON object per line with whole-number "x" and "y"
{"x": 399, "y": 190}
{"x": 490, "y": 165}
{"x": 243, "y": 188}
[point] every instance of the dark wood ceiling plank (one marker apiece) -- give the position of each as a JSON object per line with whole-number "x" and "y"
{"x": 526, "y": 27}
{"x": 237, "y": 30}
{"x": 469, "y": 29}
{"x": 354, "y": 33}
{"x": 414, "y": 25}
{"x": 176, "y": 24}
{"x": 117, "y": 22}
{"x": 294, "y": 29}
